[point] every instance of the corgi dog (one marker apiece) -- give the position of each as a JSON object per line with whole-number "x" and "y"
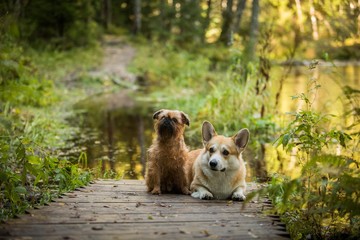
{"x": 218, "y": 171}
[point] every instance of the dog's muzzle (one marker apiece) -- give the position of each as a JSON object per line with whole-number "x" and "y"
{"x": 214, "y": 166}
{"x": 166, "y": 128}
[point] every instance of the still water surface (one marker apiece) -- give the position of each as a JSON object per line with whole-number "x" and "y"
{"x": 116, "y": 133}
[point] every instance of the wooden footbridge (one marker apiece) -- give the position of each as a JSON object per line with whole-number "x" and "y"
{"x": 109, "y": 209}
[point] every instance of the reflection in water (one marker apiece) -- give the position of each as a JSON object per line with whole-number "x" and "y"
{"x": 116, "y": 138}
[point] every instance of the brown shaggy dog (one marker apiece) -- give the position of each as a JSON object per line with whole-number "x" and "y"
{"x": 167, "y": 155}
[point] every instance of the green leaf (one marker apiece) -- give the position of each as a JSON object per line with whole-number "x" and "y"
{"x": 342, "y": 140}
{"x": 285, "y": 139}
{"x": 34, "y": 159}
{"x": 20, "y": 189}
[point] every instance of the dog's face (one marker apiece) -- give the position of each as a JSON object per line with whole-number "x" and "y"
{"x": 170, "y": 123}
{"x": 222, "y": 153}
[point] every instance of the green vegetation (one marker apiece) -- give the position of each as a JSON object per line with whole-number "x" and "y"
{"x": 33, "y": 125}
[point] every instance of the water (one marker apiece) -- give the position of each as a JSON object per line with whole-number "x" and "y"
{"x": 116, "y": 130}
{"x": 327, "y": 98}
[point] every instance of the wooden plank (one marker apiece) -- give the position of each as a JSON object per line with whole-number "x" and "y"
{"x": 155, "y": 217}
{"x": 222, "y": 229}
{"x": 121, "y": 196}
{"x": 166, "y": 231}
{"x": 119, "y": 183}
{"x": 104, "y": 208}
{"x": 111, "y": 209}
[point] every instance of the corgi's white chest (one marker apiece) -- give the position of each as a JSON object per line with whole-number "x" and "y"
{"x": 220, "y": 183}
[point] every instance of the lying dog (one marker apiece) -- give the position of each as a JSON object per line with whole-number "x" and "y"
{"x": 218, "y": 171}
{"x": 168, "y": 154}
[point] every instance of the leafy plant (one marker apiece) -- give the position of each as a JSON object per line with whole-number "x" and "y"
{"x": 322, "y": 203}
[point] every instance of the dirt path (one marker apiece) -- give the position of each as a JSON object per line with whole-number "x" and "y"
{"x": 117, "y": 57}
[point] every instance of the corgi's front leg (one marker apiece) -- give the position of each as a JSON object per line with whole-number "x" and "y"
{"x": 238, "y": 194}
{"x": 202, "y": 193}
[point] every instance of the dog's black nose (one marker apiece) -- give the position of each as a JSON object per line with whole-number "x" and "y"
{"x": 213, "y": 163}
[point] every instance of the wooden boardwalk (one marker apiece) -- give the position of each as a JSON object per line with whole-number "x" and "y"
{"x": 109, "y": 209}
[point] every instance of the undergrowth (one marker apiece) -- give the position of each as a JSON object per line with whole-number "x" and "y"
{"x": 33, "y": 107}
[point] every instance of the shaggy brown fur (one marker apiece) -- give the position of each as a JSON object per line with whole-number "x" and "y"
{"x": 167, "y": 155}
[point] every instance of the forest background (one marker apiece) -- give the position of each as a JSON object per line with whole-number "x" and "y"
{"x": 211, "y": 58}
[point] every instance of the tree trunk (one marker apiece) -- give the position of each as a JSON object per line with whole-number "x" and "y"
{"x": 207, "y": 20}
{"x": 137, "y": 14}
{"x": 254, "y": 29}
{"x": 239, "y": 12}
{"x": 299, "y": 15}
{"x": 358, "y": 21}
{"x": 226, "y": 31}
{"x": 315, "y": 32}
{"x": 17, "y": 15}
{"x": 106, "y": 13}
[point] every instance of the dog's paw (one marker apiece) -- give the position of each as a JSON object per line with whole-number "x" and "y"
{"x": 238, "y": 196}
{"x": 202, "y": 195}
{"x": 185, "y": 191}
{"x": 156, "y": 191}
{"x": 206, "y": 196}
{"x": 195, "y": 194}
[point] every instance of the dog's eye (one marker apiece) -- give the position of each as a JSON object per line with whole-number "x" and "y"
{"x": 175, "y": 120}
{"x": 225, "y": 152}
{"x": 211, "y": 150}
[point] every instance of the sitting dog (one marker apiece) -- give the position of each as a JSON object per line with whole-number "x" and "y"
{"x": 168, "y": 154}
{"x": 218, "y": 170}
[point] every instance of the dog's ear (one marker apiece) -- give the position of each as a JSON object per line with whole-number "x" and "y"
{"x": 185, "y": 118}
{"x": 241, "y": 139}
{"x": 156, "y": 114}
{"x": 208, "y": 131}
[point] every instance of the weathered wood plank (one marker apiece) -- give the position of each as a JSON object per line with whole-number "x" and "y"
{"x": 111, "y": 209}
{"x": 223, "y": 229}
{"x": 125, "y": 208}
{"x": 156, "y": 217}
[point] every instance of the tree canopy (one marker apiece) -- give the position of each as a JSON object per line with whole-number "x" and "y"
{"x": 312, "y": 27}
